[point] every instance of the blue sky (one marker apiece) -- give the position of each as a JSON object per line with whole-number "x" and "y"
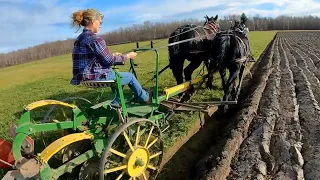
{"x": 26, "y": 23}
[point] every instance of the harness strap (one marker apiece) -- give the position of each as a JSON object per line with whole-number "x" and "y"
{"x": 210, "y": 30}
{"x": 212, "y": 27}
{"x": 197, "y": 32}
{"x": 245, "y": 47}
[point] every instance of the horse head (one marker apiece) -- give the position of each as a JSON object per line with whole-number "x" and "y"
{"x": 212, "y": 20}
{"x": 207, "y": 20}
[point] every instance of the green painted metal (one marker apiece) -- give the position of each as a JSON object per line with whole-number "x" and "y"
{"x": 120, "y": 91}
{"x": 139, "y": 110}
{"x": 73, "y": 163}
{"x": 100, "y": 120}
{"x": 16, "y": 146}
{"x": 53, "y": 174}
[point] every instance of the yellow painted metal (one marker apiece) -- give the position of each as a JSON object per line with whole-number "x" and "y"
{"x": 137, "y": 159}
{"x": 40, "y": 103}
{"x": 144, "y": 176}
{"x": 115, "y": 169}
{"x": 149, "y": 136}
{"x": 154, "y": 141}
{"x": 60, "y": 143}
{"x": 117, "y": 153}
{"x": 138, "y": 162}
{"x": 151, "y": 167}
{"x": 155, "y": 155}
{"x": 128, "y": 140}
{"x": 137, "y": 136}
{"x": 182, "y": 87}
{"x": 120, "y": 176}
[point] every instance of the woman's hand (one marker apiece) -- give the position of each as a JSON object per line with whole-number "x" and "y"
{"x": 131, "y": 55}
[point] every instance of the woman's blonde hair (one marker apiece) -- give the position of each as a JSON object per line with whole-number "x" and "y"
{"x": 85, "y": 17}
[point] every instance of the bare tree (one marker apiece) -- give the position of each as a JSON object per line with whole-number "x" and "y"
{"x": 155, "y": 30}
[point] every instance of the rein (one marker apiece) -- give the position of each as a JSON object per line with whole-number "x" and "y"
{"x": 211, "y": 27}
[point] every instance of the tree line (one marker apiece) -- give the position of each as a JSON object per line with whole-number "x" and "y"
{"x": 156, "y": 30}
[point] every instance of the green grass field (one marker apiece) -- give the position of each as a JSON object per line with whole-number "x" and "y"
{"x": 49, "y": 79}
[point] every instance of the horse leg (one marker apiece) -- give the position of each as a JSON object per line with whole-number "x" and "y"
{"x": 194, "y": 64}
{"x": 237, "y": 89}
{"x": 229, "y": 87}
{"x": 210, "y": 74}
{"x": 176, "y": 65}
{"x": 232, "y": 80}
{"x": 222, "y": 72}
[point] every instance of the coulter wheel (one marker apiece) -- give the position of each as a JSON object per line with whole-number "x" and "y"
{"x": 133, "y": 152}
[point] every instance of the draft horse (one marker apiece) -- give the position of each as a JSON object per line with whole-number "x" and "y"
{"x": 195, "y": 51}
{"x": 229, "y": 50}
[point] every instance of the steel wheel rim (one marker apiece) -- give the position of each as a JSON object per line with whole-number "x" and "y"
{"x": 126, "y": 168}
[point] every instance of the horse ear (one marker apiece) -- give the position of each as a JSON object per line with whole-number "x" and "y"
{"x": 215, "y": 18}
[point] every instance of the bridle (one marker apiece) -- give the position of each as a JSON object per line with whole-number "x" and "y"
{"x": 212, "y": 26}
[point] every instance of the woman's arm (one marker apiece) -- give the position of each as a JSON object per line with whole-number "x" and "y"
{"x": 101, "y": 50}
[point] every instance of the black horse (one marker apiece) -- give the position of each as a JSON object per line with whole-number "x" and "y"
{"x": 196, "y": 51}
{"x": 229, "y": 50}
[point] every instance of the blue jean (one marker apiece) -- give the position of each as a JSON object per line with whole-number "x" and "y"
{"x": 129, "y": 79}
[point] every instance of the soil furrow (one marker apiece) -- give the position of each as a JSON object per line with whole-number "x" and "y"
{"x": 310, "y": 58}
{"x": 216, "y": 165}
{"x": 274, "y": 133}
{"x": 254, "y": 157}
{"x": 315, "y": 60}
{"x": 313, "y": 80}
{"x": 286, "y": 140}
{"x": 309, "y": 113}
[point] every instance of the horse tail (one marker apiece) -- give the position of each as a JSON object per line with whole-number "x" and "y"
{"x": 239, "y": 49}
{"x": 220, "y": 45}
{"x": 174, "y": 50}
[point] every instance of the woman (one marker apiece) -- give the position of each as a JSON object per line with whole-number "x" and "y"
{"x": 92, "y": 59}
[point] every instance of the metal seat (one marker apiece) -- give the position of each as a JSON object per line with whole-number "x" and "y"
{"x": 99, "y": 83}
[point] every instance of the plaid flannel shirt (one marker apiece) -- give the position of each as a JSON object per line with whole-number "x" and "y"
{"x": 91, "y": 58}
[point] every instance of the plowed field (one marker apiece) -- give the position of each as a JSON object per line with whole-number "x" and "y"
{"x": 277, "y": 135}
{"x": 273, "y": 133}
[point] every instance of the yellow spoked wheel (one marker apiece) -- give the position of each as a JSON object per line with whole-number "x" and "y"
{"x": 134, "y": 151}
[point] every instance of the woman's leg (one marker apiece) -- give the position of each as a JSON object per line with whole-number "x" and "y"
{"x": 129, "y": 79}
